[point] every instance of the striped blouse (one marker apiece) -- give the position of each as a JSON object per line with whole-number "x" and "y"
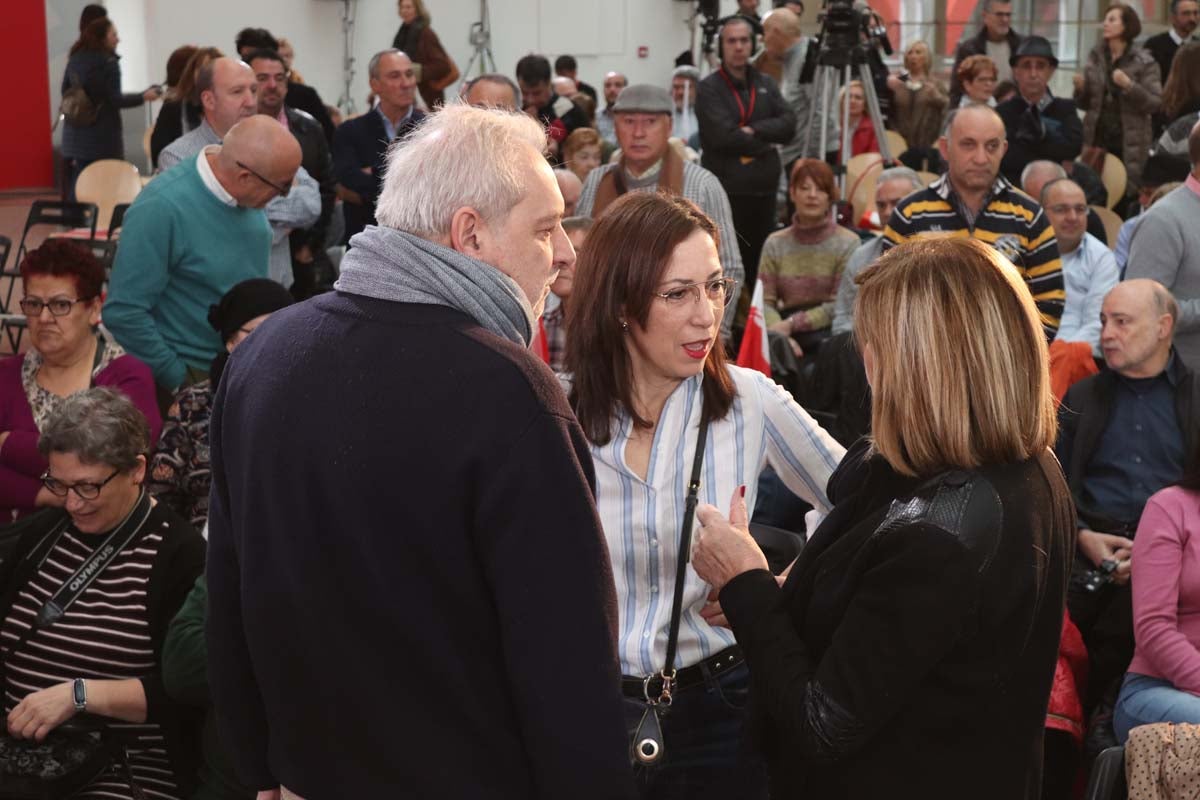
{"x": 105, "y": 634}
{"x": 642, "y": 519}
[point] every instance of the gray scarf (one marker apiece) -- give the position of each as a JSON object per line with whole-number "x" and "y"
{"x": 388, "y": 264}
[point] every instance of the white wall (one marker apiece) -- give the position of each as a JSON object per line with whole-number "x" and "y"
{"x": 518, "y": 27}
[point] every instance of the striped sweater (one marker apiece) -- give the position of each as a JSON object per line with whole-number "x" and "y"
{"x": 1010, "y": 222}
{"x": 800, "y": 277}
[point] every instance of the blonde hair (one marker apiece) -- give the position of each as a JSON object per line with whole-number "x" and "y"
{"x": 960, "y": 374}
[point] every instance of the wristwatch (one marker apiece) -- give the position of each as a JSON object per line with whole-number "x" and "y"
{"x": 79, "y": 692}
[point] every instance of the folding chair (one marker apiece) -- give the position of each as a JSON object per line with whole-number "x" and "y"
{"x": 1107, "y": 781}
{"x": 117, "y": 219}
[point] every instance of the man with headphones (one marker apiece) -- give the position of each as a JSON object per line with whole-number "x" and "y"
{"x": 742, "y": 118}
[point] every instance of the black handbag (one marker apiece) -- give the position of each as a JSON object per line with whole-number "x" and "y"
{"x": 76, "y": 752}
{"x": 646, "y": 745}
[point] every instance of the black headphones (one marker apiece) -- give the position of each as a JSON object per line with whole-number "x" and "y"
{"x": 756, "y": 32}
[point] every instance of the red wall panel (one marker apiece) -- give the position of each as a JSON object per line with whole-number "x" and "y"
{"x": 25, "y": 140}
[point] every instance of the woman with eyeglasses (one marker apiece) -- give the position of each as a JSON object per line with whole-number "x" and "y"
{"x": 117, "y": 567}
{"x": 647, "y": 368}
{"x": 62, "y": 283}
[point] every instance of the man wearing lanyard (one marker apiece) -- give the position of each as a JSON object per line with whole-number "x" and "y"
{"x": 742, "y": 118}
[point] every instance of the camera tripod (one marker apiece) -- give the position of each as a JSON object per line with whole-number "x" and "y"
{"x": 834, "y": 72}
{"x": 481, "y": 37}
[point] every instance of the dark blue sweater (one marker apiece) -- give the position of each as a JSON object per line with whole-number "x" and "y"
{"x": 410, "y": 593}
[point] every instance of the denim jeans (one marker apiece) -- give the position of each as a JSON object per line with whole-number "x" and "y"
{"x": 1145, "y": 700}
{"x": 702, "y": 738}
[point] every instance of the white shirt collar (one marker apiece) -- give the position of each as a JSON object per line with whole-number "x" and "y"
{"x": 210, "y": 180}
{"x": 1175, "y": 37}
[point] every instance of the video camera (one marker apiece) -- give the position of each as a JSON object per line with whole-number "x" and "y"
{"x": 846, "y": 27}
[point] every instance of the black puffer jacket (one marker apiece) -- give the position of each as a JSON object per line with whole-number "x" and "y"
{"x": 745, "y": 164}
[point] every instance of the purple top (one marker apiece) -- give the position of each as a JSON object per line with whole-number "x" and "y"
{"x": 21, "y": 465}
{"x": 1166, "y": 589}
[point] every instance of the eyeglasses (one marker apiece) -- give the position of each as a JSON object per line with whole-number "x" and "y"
{"x": 1080, "y": 211}
{"x": 281, "y": 190}
{"x": 59, "y": 306}
{"x": 84, "y": 490}
{"x": 716, "y": 291}
{"x": 1003, "y": 14}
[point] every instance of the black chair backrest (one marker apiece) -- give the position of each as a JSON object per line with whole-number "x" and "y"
{"x": 117, "y": 218}
{"x": 1107, "y": 781}
{"x": 61, "y": 215}
{"x": 104, "y": 251}
{"x": 5, "y": 246}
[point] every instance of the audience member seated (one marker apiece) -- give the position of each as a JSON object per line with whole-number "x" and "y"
{"x": 802, "y": 264}
{"x": 306, "y": 243}
{"x": 550, "y": 340}
{"x": 996, "y": 40}
{"x": 191, "y": 235}
{"x": 977, "y": 77}
{"x": 570, "y": 186}
{"x": 919, "y": 100}
{"x": 614, "y": 84}
{"x": 62, "y": 294}
{"x": 568, "y": 67}
{"x": 1088, "y": 267}
{"x": 1163, "y": 681}
{"x": 581, "y": 152}
{"x": 1005, "y": 90}
{"x": 538, "y": 100}
{"x": 179, "y": 467}
{"x": 181, "y": 109}
{"x": 1039, "y": 125}
{"x": 492, "y": 90}
{"x": 1118, "y": 91}
{"x": 1161, "y": 171}
{"x": 862, "y": 129}
{"x": 977, "y": 200}
{"x": 101, "y": 654}
{"x": 361, "y": 144}
{"x": 1038, "y": 173}
{"x": 1124, "y": 434}
{"x": 683, "y": 93}
{"x": 299, "y": 95}
{"x": 742, "y": 118}
{"x": 417, "y": 40}
{"x": 1166, "y": 248}
{"x": 1185, "y": 14}
{"x": 648, "y": 163}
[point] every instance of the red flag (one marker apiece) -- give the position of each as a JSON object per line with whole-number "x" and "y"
{"x": 753, "y": 353}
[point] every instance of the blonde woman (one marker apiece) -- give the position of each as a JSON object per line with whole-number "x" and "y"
{"x": 918, "y": 99}
{"x": 914, "y": 641}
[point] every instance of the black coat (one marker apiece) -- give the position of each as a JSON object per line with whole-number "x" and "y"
{"x": 974, "y": 46}
{"x": 1055, "y": 134}
{"x": 413, "y": 598}
{"x": 306, "y": 99}
{"x": 1084, "y": 413}
{"x": 363, "y": 142}
{"x": 1163, "y": 48}
{"x": 912, "y": 649}
{"x": 98, "y": 72}
{"x": 317, "y": 162}
{"x": 745, "y": 164}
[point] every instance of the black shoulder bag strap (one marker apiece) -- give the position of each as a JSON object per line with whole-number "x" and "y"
{"x": 685, "y": 555}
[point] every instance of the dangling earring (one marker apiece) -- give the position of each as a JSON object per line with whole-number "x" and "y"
{"x": 624, "y": 326}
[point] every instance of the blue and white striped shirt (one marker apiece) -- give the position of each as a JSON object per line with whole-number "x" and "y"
{"x": 642, "y": 518}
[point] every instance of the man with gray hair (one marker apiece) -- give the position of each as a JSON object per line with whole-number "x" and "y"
{"x": 1166, "y": 248}
{"x": 649, "y": 163}
{"x": 893, "y": 185}
{"x": 360, "y": 145}
{"x": 401, "y": 545}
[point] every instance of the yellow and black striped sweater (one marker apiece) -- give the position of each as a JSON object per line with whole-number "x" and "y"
{"x": 1010, "y": 222}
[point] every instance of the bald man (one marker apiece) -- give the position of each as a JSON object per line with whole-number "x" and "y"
{"x": 782, "y": 57}
{"x": 492, "y": 90}
{"x": 190, "y": 236}
{"x": 1124, "y": 434}
{"x": 229, "y": 94}
{"x": 571, "y": 188}
{"x": 974, "y": 199}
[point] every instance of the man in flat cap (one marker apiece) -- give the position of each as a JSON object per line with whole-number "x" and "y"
{"x": 643, "y": 122}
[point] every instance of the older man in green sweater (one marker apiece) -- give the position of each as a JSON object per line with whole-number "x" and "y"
{"x": 188, "y": 238}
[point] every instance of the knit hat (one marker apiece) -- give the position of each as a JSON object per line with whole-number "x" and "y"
{"x": 244, "y": 302}
{"x": 644, "y": 98}
{"x": 1033, "y": 47}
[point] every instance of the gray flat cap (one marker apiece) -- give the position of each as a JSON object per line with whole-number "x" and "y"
{"x": 644, "y": 98}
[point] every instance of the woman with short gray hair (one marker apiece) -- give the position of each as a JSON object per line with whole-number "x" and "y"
{"x": 88, "y": 592}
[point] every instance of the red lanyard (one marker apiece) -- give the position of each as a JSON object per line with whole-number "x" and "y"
{"x": 744, "y": 119}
